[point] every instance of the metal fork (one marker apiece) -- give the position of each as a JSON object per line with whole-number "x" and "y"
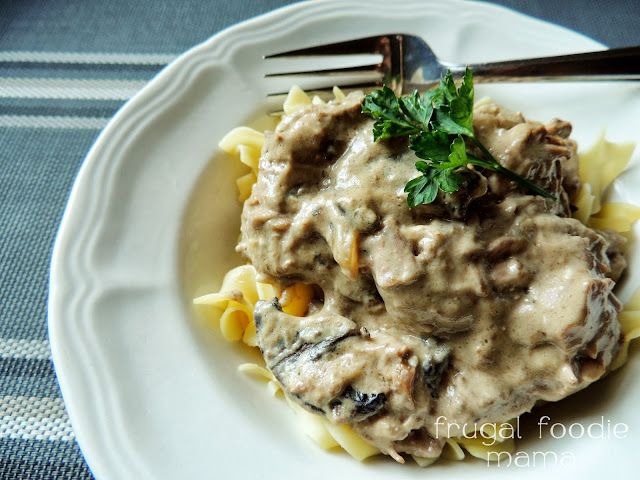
{"x": 408, "y": 63}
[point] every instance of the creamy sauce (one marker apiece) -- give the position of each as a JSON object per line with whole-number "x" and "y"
{"x": 471, "y": 309}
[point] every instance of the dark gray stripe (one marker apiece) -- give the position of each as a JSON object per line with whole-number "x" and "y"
{"x": 79, "y": 70}
{"x": 59, "y": 106}
{"x": 37, "y": 169}
{"x": 28, "y": 378}
{"x": 103, "y": 67}
{"x": 42, "y": 460}
{"x": 120, "y": 26}
{"x": 83, "y": 111}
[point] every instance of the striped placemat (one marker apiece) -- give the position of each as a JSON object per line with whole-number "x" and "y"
{"x": 52, "y": 107}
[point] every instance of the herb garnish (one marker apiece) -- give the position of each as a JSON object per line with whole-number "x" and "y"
{"x": 435, "y": 124}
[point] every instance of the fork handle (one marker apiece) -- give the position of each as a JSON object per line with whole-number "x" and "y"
{"x": 614, "y": 64}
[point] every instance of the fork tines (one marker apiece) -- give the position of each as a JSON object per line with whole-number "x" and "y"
{"x": 352, "y": 64}
{"x": 374, "y": 44}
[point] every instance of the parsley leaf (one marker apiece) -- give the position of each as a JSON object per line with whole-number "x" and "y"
{"x": 435, "y": 124}
{"x": 422, "y": 189}
{"x": 384, "y": 107}
{"x": 456, "y": 117}
{"x": 440, "y": 173}
{"x": 431, "y": 145}
{"x": 417, "y": 110}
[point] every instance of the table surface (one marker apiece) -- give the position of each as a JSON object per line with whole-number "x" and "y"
{"x": 54, "y": 56}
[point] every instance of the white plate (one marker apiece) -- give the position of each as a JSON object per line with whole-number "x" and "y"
{"x": 154, "y": 394}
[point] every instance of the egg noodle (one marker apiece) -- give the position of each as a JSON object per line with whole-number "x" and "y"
{"x": 232, "y": 307}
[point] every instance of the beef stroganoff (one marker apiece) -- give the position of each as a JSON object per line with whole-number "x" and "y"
{"x": 396, "y": 330}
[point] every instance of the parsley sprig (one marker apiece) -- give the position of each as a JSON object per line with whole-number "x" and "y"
{"x": 435, "y": 124}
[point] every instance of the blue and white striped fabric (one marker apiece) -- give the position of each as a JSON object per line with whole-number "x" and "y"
{"x": 66, "y": 66}
{"x": 52, "y": 106}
